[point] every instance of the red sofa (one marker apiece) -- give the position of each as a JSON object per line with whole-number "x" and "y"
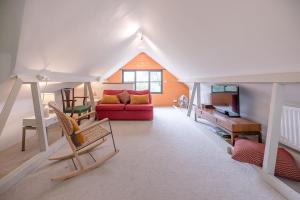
{"x": 125, "y": 111}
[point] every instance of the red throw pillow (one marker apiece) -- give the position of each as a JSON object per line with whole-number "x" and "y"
{"x": 252, "y": 152}
{"x": 286, "y": 165}
{"x": 248, "y": 151}
{"x": 124, "y": 97}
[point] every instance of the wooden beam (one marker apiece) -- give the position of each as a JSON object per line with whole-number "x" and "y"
{"x": 91, "y": 95}
{"x": 9, "y": 103}
{"x": 274, "y": 127}
{"x": 39, "y": 116}
{"x": 198, "y": 95}
{"x": 31, "y": 76}
{"x": 195, "y": 89}
{"x": 85, "y": 90}
{"x": 288, "y": 77}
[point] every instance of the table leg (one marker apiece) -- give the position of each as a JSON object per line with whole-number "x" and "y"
{"x": 232, "y": 138}
{"x": 23, "y": 138}
{"x": 259, "y": 138}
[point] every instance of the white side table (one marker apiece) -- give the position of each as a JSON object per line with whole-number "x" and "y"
{"x": 30, "y": 123}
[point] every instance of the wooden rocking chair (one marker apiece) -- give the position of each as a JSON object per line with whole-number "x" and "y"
{"x": 95, "y": 134}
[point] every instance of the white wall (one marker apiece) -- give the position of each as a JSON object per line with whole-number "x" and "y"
{"x": 12, "y": 132}
{"x": 255, "y": 101}
{"x": 11, "y": 13}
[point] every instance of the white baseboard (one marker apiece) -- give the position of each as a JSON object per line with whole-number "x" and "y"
{"x": 284, "y": 189}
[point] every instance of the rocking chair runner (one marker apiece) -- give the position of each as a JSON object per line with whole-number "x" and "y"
{"x": 95, "y": 135}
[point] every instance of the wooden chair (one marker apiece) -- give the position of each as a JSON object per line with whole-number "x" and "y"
{"x": 69, "y": 100}
{"x": 95, "y": 134}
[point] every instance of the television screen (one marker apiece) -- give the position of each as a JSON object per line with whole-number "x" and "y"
{"x": 225, "y": 88}
{"x": 231, "y": 88}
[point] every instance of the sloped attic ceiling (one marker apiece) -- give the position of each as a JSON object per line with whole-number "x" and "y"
{"x": 193, "y": 38}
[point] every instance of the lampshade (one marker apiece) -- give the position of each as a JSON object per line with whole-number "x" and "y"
{"x": 48, "y": 97}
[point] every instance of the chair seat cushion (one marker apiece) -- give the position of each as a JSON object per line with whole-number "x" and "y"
{"x": 252, "y": 152}
{"x": 137, "y": 107}
{"x": 110, "y": 107}
{"x": 78, "y": 109}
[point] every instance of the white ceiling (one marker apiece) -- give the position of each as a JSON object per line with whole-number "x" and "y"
{"x": 192, "y": 38}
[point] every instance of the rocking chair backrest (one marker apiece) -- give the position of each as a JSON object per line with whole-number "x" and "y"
{"x": 67, "y": 95}
{"x": 63, "y": 119}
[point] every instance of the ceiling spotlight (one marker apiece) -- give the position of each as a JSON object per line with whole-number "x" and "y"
{"x": 98, "y": 78}
{"x": 41, "y": 77}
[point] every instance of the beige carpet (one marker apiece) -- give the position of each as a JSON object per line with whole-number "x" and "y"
{"x": 12, "y": 157}
{"x": 171, "y": 158}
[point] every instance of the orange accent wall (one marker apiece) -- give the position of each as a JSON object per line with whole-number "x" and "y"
{"x": 172, "y": 89}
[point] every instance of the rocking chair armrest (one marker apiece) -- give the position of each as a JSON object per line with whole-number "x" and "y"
{"x": 91, "y": 126}
{"x": 85, "y": 115}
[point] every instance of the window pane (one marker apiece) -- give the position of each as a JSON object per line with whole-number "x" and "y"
{"x": 155, "y": 76}
{"x": 218, "y": 88}
{"x": 142, "y": 76}
{"x": 231, "y": 88}
{"x": 142, "y": 86}
{"x": 155, "y": 87}
{"x": 128, "y": 76}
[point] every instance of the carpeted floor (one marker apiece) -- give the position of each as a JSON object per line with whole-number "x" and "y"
{"x": 12, "y": 157}
{"x": 171, "y": 157}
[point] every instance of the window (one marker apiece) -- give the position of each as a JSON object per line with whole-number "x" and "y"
{"x": 144, "y": 80}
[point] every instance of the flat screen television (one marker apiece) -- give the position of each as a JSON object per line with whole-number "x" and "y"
{"x": 225, "y": 99}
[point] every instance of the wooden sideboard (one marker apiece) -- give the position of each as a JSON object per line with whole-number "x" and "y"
{"x": 234, "y": 125}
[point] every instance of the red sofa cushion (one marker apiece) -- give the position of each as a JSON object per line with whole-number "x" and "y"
{"x": 112, "y": 92}
{"x": 252, "y": 152}
{"x": 139, "y": 107}
{"x": 125, "y": 115}
{"x": 110, "y": 107}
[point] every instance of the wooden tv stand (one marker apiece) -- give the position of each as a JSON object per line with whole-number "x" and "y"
{"x": 234, "y": 125}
